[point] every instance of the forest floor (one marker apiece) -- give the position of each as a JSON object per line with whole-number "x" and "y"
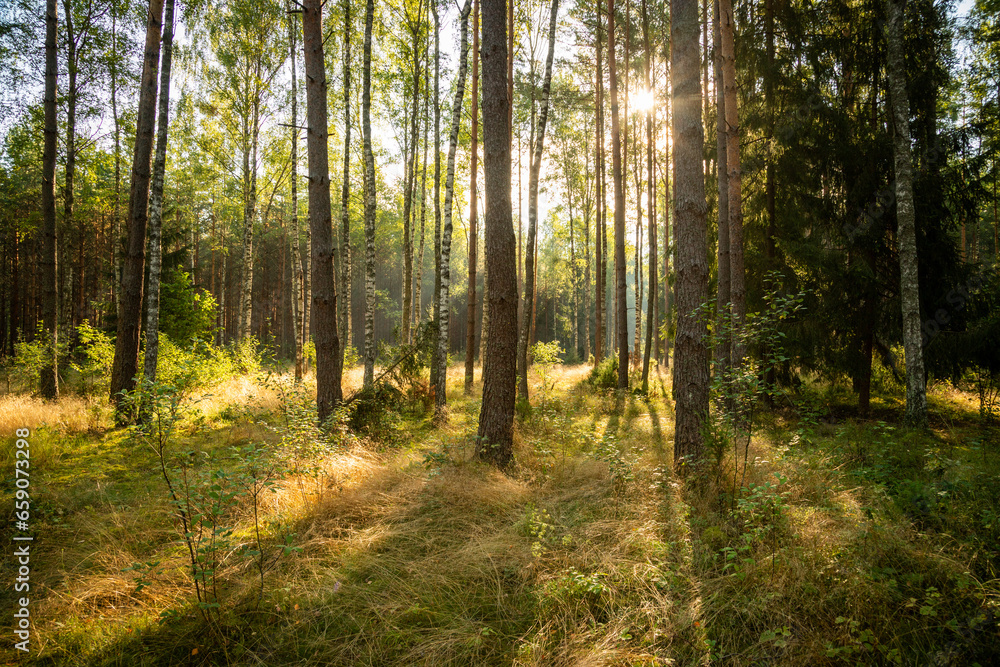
{"x": 844, "y": 541}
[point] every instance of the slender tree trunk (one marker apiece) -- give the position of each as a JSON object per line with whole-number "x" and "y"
{"x": 535, "y": 169}
{"x": 298, "y": 292}
{"x": 116, "y": 264}
{"x": 651, "y": 215}
{"x": 737, "y": 284}
{"x": 345, "y": 217}
{"x": 49, "y": 379}
{"x": 621, "y": 322}
{"x": 916, "y": 397}
{"x": 410, "y": 178}
{"x": 470, "y": 336}
{"x": 599, "y": 283}
{"x": 156, "y": 201}
{"x": 419, "y": 281}
{"x": 324, "y": 284}
{"x": 724, "y": 296}
{"x": 366, "y": 129}
{"x": 586, "y": 248}
{"x": 496, "y": 417}
{"x": 691, "y": 361}
{"x": 126, "y": 360}
{"x": 436, "y": 300}
{"x": 62, "y": 238}
{"x": 440, "y": 393}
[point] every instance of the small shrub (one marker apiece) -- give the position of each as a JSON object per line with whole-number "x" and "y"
{"x": 604, "y": 376}
{"x": 95, "y": 356}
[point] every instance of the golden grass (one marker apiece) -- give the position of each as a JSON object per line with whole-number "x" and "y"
{"x": 70, "y": 414}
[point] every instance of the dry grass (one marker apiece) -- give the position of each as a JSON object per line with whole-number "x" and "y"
{"x": 592, "y": 553}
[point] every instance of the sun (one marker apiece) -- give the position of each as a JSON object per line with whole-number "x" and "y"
{"x": 643, "y": 100}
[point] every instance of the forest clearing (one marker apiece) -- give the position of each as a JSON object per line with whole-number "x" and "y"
{"x": 500, "y": 332}
{"x": 852, "y": 542}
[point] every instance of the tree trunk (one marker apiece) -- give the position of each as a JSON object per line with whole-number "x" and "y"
{"x": 366, "y": 129}
{"x": 116, "y": 264}
{"x": 62, "y": 239}
{"x": 440, "y": 395}
{"x": 156, "y": 201}
{"x": 470, "y": 336}
{"x": 621, "y": 312}
{"x": 534, "y": 170}
{"x": 599, "y": 283}
{"x": 419, "y": 280}
{"x": 345, "y": 217}
{"x": 324, "y": 285}
{"x": 651, "y": 215}
{"x": 691, "y": 360}
{"x": 916, "y": 397}
{"x": 496, "y": 416}
{"x": 410, "y": 174}
{"x": 586, "y": 248}
{"x": 126, "y": 360}
{"x": 298, "y": 291}
{"x": 436, "y": 299}
{"x": 737, "y": 285}
{"x": 721, "y": 145}
{"x": 49, "y": 380}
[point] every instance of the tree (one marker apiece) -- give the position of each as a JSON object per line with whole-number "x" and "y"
{"x": 723, "y": 294}
{"x": 916, "y": 397}
{"x": 298, "y": 286}
{"x": 470, "y": 339}
{"x": 440, "y": 398}
{"x": 651, "y": 305}
{"x": 534, "y": 170}
{"x": 436, "y": 303}
{"x": 156, "y": 202}
{"x": 366, "y": 130}
{"x": 345, "y": 217}
{"x": 621, "y": 322}
{"x": 324, "y": 285}
{"x": 599, "y": 249}
{"x": 734, "y": 199}
{"x": 126, "y": 359}
{"x": 691, "y": 354}
{"x": 410, "y": 169}
{"x": 496, "y": 416}
{"x": 49, "y": 380}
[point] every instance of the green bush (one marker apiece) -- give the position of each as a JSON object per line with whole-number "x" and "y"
{"x": 94, "y": 355}
{"x": 604, "y": 375}
{"x": 186, "y": 314}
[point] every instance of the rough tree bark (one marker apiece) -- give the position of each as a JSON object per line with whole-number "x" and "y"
{"x": 496, "y": 417}
{"x": 691, "y": 356}
{"x": 345, "y": 217}
{"x": 298, "y": 293}
{"x": 366, "y": 130}
{"x": 534, "y": 171}
{"x": 599, "y": 283}
{"x": 156, "y": 200}
{"x": 324, "y": 285}
{"x": 126, "y": 361}
{"x": 49, "y": 380}
{"x": 436, "y": 298}
{"x": 916, "y": 396}
{"x": 737, "y": 283}
{"x": 621, "y": 321}
{"x": 721, "y": 146}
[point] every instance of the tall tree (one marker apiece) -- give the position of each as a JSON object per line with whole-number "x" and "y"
{"x": 651, "y": 214}
{"x": 470, "y": 340}
{"x": 534, "y": 171}
{"x": 436, "y": 299}
{"x": 366, "y": 130}
{"x": 737, "y": 283}
{"x": 345, "y": 217}
{"x": 156, "y": 201}
{"x": 126, "y": 360}
{"x": 916, "y": 396}
{"x": 324, "y": 285}
{"x": 414, "y": 25}
{"x": 496, "y": 416}
{"x": 723, "y": 296}
{"x": 691, "y": 356}
{"x": 440, "y": 396}
{"x": 298, "y": 287}
{"x": 600, "y": 250}
{"x": 621, "y": 309}
{"x": 49, "y": 380}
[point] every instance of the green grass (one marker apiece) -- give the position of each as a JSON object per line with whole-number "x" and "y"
{"x": 851, "y": 542}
